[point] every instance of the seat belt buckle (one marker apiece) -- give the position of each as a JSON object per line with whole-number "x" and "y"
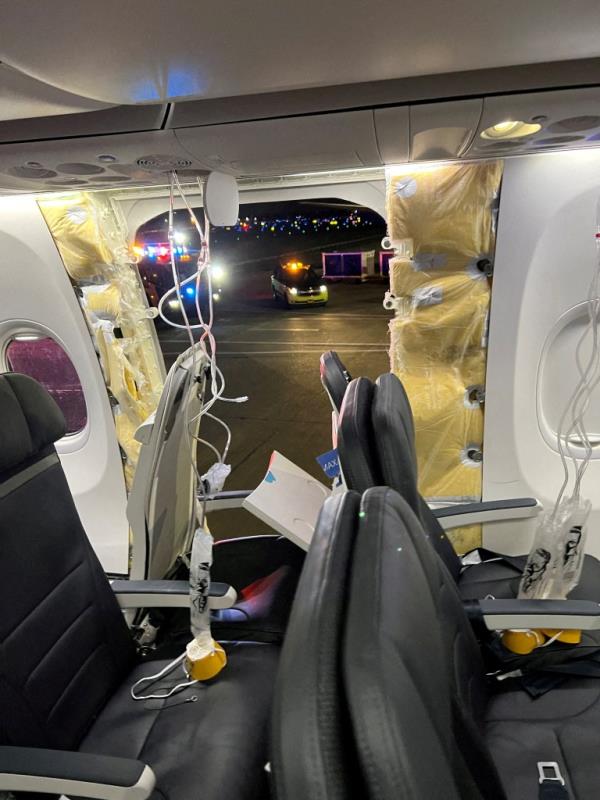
{"x": 549, "y": 771}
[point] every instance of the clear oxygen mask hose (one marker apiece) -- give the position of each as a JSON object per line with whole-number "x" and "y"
{"x": 555, "y": 561}
{"x": 203, "y": 658}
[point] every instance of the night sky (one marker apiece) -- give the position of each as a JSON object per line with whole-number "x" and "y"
{"x": 281, "y": 220}
{"x": 268, "y": 234}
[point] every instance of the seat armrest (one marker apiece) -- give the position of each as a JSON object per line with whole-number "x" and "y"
{"x": 63, "y": 772}
{"x": 169, "y": 594}
{"x": 220, "y": 501}
{"x": 500, "y": 615}
{"x": 489, "y": 511}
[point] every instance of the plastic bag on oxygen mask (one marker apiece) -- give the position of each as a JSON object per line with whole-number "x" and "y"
{"x": 555, "y": 561}
{"x": 214, "y": 478}
{"x": 205, "y": 657}
{"x": 200, "y": 564}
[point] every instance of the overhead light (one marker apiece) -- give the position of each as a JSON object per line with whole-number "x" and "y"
{"x": 511, "y": 129}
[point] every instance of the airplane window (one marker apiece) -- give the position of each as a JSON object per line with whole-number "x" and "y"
{"x": 43, "y": 358}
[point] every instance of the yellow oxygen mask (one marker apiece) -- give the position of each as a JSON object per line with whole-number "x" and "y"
{"x": 524, "y": 642}
{"x": 204, "y": 658}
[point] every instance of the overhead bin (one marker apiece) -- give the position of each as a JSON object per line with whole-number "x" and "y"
{"x": 138, "y": 145}
{"x": 24, "y": 97}
{"x": 392, "y": 127}
{"x": 289, "y": 145}
{"x": 116, "y": 119}
{"x": 443, "y": 130}
{"x": 426, "y": 132}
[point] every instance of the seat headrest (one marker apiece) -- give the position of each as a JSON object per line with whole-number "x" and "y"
{"x": 395, "y": 440}
{"x": 334, "y": 377}
{"x": 30, "y": 420}
{"x": 395, "y": 451}
{"x": 356, "y": 445}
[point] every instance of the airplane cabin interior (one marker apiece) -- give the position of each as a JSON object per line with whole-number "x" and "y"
{"x": 423, "y": 621}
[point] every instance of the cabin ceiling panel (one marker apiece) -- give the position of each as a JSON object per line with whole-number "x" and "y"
{"x": 140, "y": 159}
{"x": 140, "y": 52}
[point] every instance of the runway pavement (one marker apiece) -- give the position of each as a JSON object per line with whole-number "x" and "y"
{"x": 272, "y": 355}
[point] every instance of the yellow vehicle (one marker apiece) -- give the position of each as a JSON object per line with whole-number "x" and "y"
{"x": 298, "y": 284}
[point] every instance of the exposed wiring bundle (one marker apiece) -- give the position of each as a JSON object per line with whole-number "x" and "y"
{"x": 204, "y": 658}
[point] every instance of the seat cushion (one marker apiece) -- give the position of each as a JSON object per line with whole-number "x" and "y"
{"x": 561, "y": 725}
{"x": 501, "y": 580}
{"x": 494, "y": 578}
{"x": 211, "y": 749}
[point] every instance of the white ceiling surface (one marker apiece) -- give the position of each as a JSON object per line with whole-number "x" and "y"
{"x": 141, "y": 52}
{"x": 22, "y": 97}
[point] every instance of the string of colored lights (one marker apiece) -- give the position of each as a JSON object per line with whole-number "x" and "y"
{"x": 297, "y": 224}
{"x": 300, "y": 223}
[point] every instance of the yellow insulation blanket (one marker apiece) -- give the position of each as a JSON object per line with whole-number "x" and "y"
{"x": 92, "y": 242}
{"x": 438, "y": 336}
{"x": 444, "y": 210}
{"x": 74, "y": 225}
{"x": 444, "y": 320}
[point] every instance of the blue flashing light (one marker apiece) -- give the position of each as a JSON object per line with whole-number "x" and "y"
{"x": 190, "y": 291}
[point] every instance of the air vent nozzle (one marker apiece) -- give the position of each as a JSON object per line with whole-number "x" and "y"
{"x": 158, "y": 163}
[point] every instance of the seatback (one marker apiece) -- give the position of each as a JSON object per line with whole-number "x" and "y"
{"x": 334, "y": 377}
{"x": 64, "y": 646}
{"x": 312, "y": 754}
{"x": 394, "y": 445}
{"x": 356, "y": 438}
{"x": 162, "y": 504}
{"x": 412, "y": 671}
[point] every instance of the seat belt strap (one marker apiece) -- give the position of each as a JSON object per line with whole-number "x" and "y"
{"x": 552, "y": 791}
{"x": 552, "y": 783}
{"x": 27, "y": 474}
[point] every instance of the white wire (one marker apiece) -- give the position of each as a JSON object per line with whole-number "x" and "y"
{"x": 550, "y": 641}
{"x": 228, "y": 431}
{"x": 150, "y": 679}
{"x": 206, "y": 342}
{"x": 579, "y": 401}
